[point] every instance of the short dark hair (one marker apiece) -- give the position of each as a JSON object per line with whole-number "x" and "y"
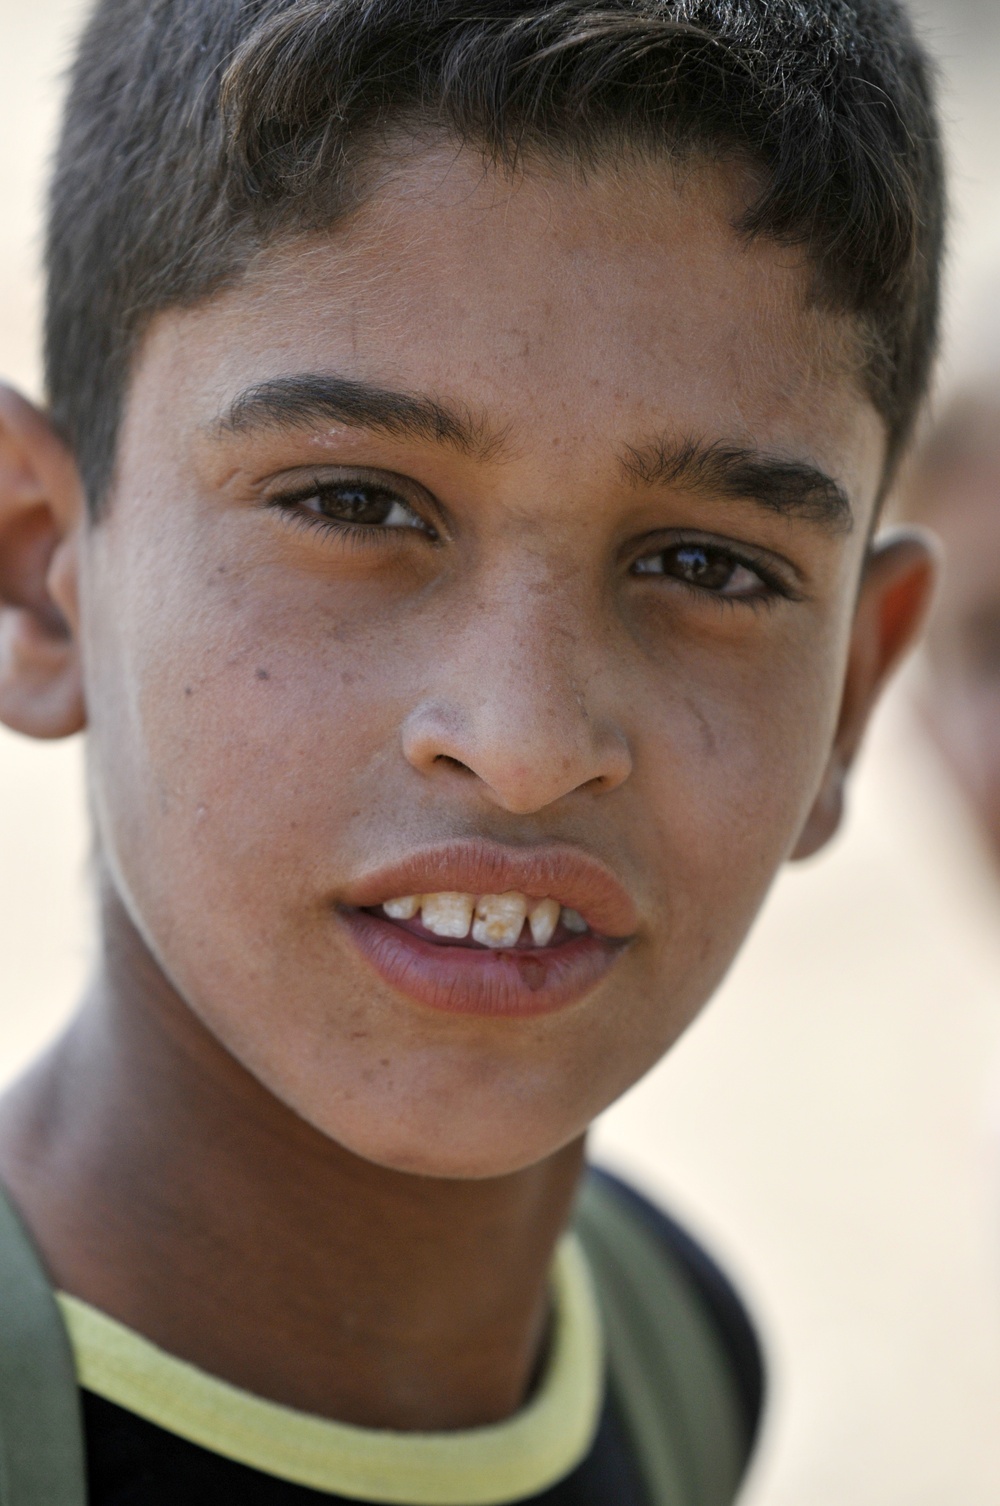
{"x": 197, "y": 130}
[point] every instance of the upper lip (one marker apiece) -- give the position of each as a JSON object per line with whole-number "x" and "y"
{"x": 573, "y": 878}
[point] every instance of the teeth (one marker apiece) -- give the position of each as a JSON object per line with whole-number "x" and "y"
{"x": 499, "y": 919}
{"x": 543, "y": 919}
{"x": 495, "y": 920}
{"x": 403, "y": 908}
{"x": 448, "y": 914}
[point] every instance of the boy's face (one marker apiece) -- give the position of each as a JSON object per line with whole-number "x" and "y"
{"x": 549, "y": 620}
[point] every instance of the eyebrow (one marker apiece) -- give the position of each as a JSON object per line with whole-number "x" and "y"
{"x": 793, "y": 488}
{"x": 296, "y": 402}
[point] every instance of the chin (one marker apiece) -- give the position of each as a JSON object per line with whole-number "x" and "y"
{"x": 461, "y": 1147}
{"x": 433, "y": 1112}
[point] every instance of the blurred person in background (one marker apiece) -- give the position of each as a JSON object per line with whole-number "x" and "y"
{"x": 954, "y": 486}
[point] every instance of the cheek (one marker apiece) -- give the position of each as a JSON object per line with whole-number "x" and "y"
{"x": 733, "y": 753}
{"x": 230, "y": 727}
{"x": 738, "y": 742}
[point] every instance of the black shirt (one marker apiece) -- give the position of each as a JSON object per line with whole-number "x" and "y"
{"x": 131, "y": 1462}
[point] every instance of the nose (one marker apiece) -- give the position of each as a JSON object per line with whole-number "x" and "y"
{"x": 523, "y": 705}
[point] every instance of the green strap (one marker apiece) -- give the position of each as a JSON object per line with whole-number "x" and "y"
{"x": 668, "y": 1371}
{"x": 41, "y": 1430}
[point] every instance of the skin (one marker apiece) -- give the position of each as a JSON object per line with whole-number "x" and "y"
{"x": 954, "y": 486}
{"x": 248, "y": 1143}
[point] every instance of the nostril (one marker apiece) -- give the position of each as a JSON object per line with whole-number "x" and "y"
{"x": 454, "y": 762}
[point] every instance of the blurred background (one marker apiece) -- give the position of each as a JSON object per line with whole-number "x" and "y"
{"x": 832, "y": 1124}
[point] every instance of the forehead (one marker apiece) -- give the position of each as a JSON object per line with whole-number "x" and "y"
{"x": 554, "y": 304}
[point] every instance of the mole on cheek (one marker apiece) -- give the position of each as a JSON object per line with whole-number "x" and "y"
{"x": 263, "y": 674}
{"x": 707, "y": 735}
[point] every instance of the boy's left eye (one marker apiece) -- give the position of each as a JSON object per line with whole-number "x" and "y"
{"x": 707, "y": 567}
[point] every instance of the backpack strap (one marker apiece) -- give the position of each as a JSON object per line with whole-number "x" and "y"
{"x": 41, "y": 1428}
{"x": 672, "y": 1369}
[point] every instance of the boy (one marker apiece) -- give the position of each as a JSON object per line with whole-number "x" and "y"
{"x": 454, "y": 523}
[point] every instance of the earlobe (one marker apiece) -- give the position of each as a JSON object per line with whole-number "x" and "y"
{"x": 826, "y": 813}
{"x": 893, "y": 601}
{"x": 40, "y": 512}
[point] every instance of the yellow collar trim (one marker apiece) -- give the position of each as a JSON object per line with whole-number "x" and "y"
{"x": 473, "y": 1467}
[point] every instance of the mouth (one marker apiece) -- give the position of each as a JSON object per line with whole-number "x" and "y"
{"x": 481, "y": 929}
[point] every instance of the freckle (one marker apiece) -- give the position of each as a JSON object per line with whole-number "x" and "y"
{"x": 188, "y": 690}
{"x": 383, "y": 1061}
{"x": 346, "y": 677}
{"x": 220, "y": 569}
{"x": 263, "y": 674}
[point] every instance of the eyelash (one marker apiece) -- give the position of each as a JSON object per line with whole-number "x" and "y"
{"x": 774, "y": 586}
{"x": 366, "y": 536}
{"x": 361, "y": 535}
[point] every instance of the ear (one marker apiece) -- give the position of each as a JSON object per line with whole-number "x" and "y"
{"x": 41, "y": 513}
{"x": 895, "y": 594}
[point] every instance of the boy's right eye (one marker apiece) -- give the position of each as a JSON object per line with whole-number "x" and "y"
{"x": 352, "y": 503}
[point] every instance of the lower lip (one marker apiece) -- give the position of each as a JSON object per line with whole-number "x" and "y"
{"x": 477, "y": 981}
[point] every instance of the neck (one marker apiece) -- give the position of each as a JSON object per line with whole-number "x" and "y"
{"x": 166, "y": 1186}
